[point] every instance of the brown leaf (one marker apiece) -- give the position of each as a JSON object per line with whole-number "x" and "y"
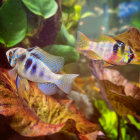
{"x": 122, "y": 94}
{"x": 124, "y": 105}
{"x": 35, "y": 114}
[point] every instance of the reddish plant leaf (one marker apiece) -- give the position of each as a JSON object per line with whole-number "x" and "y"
{"x": 35, "y": 114}
{"x": 122, "y": 94}
{"x": 91, "y": 136}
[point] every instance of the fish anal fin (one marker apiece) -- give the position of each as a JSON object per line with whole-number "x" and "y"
{"x": 108, "y": 64}
{"x": 22, "y": 84}
{"x": 47, "y": 88}
{"x": 55, "y": 63}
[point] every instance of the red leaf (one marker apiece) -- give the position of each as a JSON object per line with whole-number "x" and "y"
{"x": 35, "y": 114}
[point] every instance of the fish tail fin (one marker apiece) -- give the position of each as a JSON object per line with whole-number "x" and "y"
{"x": 65, "y": 82}
{"x": 82, "y": 42}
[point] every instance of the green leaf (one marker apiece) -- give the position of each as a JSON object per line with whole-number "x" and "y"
{"x": 44, "y": 8}
{"x": 134, "y": 122}
{"x": 77, "y": 14}
{"x": 69, "y": 53}
{"x": 136, "y": 22}
{"x": 68, "y": 3}
{"x": 109, "y": 122}
{"x": 108, "y": 119}
{"x": 65, "y": 38}
{"x": 13, "y": 22}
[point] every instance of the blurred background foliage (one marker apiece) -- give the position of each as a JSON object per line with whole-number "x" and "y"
{"x": 52, "y": 25}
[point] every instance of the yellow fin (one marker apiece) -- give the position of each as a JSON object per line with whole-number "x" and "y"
{"x": 82, "y": 42}
{"x": 106, "y": 38}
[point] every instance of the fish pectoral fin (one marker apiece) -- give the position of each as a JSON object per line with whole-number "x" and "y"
{"x": 47, "y": 88}
{"x": 22, "y": 84}
{"x": 26, "y": 84}
{"x": 108, "y": 64}
{"x": 55, "y": 63}
{"x": 12, "y": 73}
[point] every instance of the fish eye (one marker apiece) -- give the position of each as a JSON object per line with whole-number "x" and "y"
{"x": 10, "y": 54}
{"x": 131, "y": 57}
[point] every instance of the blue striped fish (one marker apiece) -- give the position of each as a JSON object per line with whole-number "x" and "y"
{"x": 38, "y": 66}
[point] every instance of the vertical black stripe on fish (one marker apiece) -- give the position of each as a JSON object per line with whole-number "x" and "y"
{"x": 122, "y": 45}
{"x": 15, "y": 50}
{"x": 22, "y": 57}
{"x": 10, "y": 54}
{"x": 115, "y": 48}
{"x": 35, "y": 55}
{"x": 28, "y": 63}
{"x": 30, "y": 49}
{"x": 9, "y": 60}
{"x": 131, "y": 55}
{"x": 34, "y": 68}
{"x": 131, "y": 50}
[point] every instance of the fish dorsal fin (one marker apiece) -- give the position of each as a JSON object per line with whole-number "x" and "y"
{"x": 82, "y": 42}
{"x": 55, "y": 63}
{"x": 106, "y": 38}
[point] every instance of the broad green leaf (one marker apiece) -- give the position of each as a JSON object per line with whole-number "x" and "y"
{"x": 65, "y": 38}
{"x": 69, "y": 53}
{"x": 13, "y": 22}
{"x": 44, "y": 8}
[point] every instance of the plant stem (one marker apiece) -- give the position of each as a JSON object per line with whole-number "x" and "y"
{"x": 119, "y": 137}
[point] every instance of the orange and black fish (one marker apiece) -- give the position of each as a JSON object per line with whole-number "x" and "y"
{"x": 113, "y": 52}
